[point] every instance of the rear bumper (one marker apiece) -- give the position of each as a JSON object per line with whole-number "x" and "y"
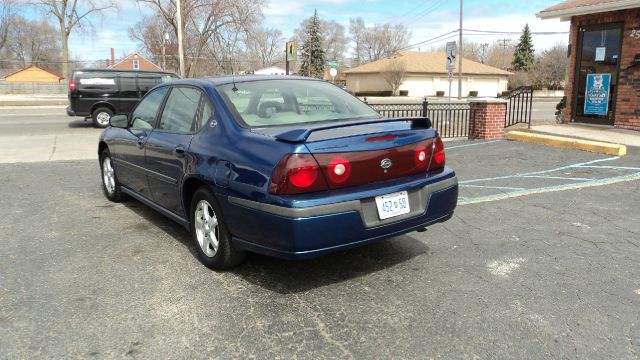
{"x": 303, "y": 232}
{"x": 70, "y": 111}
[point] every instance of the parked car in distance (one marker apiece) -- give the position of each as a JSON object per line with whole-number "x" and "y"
{"x": 101, "y": 93}
{"x": 285, "y": 166}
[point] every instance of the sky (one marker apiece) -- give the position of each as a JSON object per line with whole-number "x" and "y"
{"x": 425, "y": 19}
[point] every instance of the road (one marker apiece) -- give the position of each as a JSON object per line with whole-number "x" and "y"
{"x": 539, "y": 261}
{"x": 49, "y": 133}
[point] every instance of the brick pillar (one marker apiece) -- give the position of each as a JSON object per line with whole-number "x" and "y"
{"x": 486, "y": 120}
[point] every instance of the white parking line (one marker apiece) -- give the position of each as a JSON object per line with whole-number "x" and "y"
{"x": 474, "y": 144}
{"x": 540, "y": 190}
{"x": 582, "y": 182}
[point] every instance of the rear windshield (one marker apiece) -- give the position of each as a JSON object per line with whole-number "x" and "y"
{"x": 264, "y": 103}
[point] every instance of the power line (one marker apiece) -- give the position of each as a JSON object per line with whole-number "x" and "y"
{"x": 425, "y": 12}
{"x": 395, "y": 19}
{"x": 489, "y": 32}
{"x": 428, "y": 41}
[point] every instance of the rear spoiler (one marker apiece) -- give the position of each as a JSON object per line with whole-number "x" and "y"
{"x": 301, "y": 135}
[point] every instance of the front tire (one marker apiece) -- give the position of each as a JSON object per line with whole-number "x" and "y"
{"x": 210, "y": 232}
{"x": 101, "y": 117}
{"x": 110, "y": 184}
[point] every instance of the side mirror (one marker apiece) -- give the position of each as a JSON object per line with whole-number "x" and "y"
{"x": 119, "y": 121}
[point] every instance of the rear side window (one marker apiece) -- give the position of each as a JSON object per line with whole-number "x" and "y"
{"x": 144, "y": 116}
{"x": 145, "y": 83}
{"x": 180, "y": 111}
{"x": 96, "y": 81}
{"x": 128, "y": 86}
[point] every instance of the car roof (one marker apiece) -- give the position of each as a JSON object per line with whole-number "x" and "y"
{"x": 125, "y": 70}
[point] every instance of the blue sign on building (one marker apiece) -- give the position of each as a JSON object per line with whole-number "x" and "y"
{"x": 596, "y": 101}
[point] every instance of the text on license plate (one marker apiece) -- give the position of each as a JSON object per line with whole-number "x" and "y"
{"x": 391, "y": 205}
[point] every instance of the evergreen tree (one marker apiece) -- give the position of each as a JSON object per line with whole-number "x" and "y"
{"x": 312, "y": 51}
{"x": 523, "y": 57}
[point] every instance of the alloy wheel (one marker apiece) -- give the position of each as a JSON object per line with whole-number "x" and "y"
{"x": 206, "y": 226}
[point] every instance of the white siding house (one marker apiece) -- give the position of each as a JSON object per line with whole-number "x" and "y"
{"x": 426, "y": 74}
{"x": 271, "y": 70}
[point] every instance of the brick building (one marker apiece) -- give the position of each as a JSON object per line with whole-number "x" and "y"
{"x": 603, "y": 86}
{"x": 135, "y": 61}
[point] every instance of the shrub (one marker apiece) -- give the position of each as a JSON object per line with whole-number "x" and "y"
{"x": 473, "y": 93}
{"x": 404, "y": 92}
{"x": 440, "y": 93}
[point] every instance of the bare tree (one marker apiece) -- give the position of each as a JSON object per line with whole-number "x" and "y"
{"x": 6, "y": 15}
{"x": 357, "y": 32}
{"x": 383, "y": 41}
{"x": 551, "y": 66}
{"x": 34, "y": 42}
{"x": 394, "y": 74}
{"x": 500, "y": 55}
{"x": 206, "y": 24}
{"x": 150, "y": 34}
{"x": 266, "y": 46}
{"x": 71, "y": 15}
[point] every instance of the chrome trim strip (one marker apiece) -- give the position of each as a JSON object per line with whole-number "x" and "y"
{"x": 353, "y": 205}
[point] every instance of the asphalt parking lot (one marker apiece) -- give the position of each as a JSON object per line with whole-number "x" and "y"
{"x": 539, "y": 261}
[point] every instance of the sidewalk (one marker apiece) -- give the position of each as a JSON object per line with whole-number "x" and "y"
{"x": 33, "y": 100}
{"x": 591, "y": 132}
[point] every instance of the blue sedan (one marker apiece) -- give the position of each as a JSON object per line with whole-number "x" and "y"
{"x": 285, "y": 166}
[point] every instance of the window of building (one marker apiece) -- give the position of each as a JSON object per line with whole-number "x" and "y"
{"x": 136, "y": 64}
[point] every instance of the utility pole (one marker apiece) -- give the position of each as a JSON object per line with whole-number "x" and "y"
{"x": 165, "y": 37}
{"x": 180, "y": 48}
{"x": 460, "y": 58}
{"x": 484, "y": 49}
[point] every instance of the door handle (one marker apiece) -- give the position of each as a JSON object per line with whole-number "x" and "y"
{"x": 141, "y": 140}
{"x": 179, "y": 151}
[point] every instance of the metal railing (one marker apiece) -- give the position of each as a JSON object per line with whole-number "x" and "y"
{"x": 450, "y": 120}
{"x": 519, "y": 106}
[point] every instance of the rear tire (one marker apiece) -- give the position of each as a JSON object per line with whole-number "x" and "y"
{"x": 210, "y": 232}
{"x": 101, "y": 117}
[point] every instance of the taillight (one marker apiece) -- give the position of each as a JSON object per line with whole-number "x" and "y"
{"x": 72, "y": 84}
{"x": 438, "y": 159}
{"x": 339, "y": 170}
{"x": 295, "y": 174}
{"x": 420, "y": 157}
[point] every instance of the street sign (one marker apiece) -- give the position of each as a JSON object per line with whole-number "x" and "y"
{"x": 333, "y": 72}
{"x": 451, "y": 55}
{"x": 332, "y": 64}
{"x": 292, "y": 51}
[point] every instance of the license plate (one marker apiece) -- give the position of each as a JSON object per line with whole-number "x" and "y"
{"x": 391, "y": 205}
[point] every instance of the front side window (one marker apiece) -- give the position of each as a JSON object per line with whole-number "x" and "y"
{"x": 144, "y": 116}
{"x": 180, "y": 111}
{"x": 264, "y": 103}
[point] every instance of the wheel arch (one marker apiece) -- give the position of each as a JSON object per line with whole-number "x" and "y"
{"x": 189, "y": 187}
{"x": 101, "y": 147}
{"x": 103, "y": 104}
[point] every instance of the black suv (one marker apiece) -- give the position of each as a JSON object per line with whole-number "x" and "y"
{"x": 102, "y": 93}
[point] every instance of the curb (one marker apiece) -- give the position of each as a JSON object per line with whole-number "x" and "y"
{"x": 568, "y": 143}
{"x": 34, "y": 103}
